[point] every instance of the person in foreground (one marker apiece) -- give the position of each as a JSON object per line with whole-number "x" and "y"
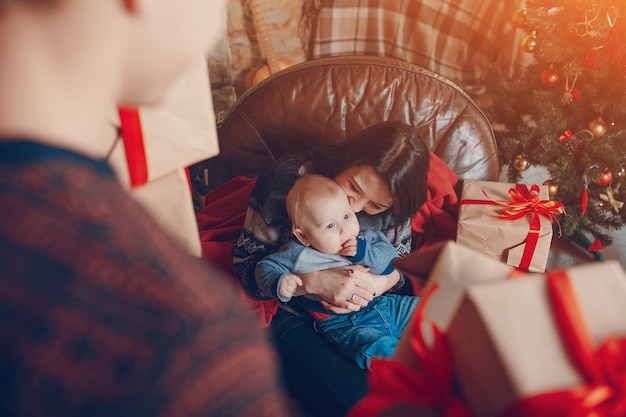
{"x": 383, "y": 171}
{"x": 327, "y": 235}
{"x": 101, "y": 314}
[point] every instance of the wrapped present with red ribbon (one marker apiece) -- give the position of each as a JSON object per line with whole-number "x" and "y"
{"x": 531, "y": 345}
{"x": 510, "y": 222}
{"x": 424, "y": 378}
{"x": 158, "y": 144}
{"x": 451, "y": 267}
{"x": 544, "y": 345}
{"x": 179, "y": 132}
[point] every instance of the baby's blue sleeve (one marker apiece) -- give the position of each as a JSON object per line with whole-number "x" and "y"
{"x": 270, "y": 271}
{"x": 375, "y": 251}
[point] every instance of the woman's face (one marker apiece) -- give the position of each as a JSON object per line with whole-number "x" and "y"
{"x": 366, "y": 191}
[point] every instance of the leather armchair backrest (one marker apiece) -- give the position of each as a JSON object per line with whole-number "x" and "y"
{"x": 330, "y": 99}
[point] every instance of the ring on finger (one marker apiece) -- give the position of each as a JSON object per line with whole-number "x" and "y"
{"x": 352, "y": 298}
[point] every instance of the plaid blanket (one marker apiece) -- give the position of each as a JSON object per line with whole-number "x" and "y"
{"x": 458, "y": 39}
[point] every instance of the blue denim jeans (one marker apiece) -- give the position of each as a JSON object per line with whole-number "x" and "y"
{"x": 374, "y": 331}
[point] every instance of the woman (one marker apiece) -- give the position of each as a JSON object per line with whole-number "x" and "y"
{"x": 101, "y": 313}
{"x": 384, "y": 171}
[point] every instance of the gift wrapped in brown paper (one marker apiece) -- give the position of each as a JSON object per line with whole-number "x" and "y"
{"x": 451, "y": 267}
{"x": 515, "y": 344}
{"x": 157, "y": 146}
{"x": 181, "y": 131}
{"x": 510, "y": 222}
{"x": 543, "y": 344}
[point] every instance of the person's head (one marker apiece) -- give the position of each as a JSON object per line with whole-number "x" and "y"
{"x": 143, "y": 45}
{"x": 320, "y": 214}
{"x": 385, "y": 166}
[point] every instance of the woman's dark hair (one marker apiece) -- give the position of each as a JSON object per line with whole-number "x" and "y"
{"x": 396, "y": 153}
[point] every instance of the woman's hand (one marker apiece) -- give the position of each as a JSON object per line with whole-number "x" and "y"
{"x": 341, "y": 290}
{"x": 346, "y": 289}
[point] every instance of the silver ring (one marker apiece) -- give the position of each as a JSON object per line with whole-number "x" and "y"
{"x": 352, "y": 298}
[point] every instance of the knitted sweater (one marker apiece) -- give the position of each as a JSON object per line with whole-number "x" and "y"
{"x": 101, "y": 314}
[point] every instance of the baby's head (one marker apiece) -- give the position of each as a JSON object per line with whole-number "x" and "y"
{"x": 320, "y": 214}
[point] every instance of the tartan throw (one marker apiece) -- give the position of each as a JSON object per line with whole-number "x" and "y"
{"x": 457, "y": 39}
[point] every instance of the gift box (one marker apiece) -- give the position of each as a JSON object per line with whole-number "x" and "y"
{"x": 421, "y": 374}
{"x": 156, "y": 146}
{"x": 510, "y": 222}
{"x": 552, "y": 344}
{"x": 451, "y": 267}
{"x": 492, "y": 341}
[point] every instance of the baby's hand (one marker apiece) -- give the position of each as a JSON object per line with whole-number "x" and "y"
{"x": 349, "y": 247}
{"x": 288, "y": 285}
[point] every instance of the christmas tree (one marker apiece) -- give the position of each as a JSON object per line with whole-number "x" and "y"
{"x": 566, "y": 111}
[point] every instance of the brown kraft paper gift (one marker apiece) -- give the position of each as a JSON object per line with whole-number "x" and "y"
{"x": 497, "y": 219}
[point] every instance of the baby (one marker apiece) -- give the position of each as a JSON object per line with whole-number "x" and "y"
{"x": 328, "y": 235}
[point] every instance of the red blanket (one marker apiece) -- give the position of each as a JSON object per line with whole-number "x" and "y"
{"x": 221, "y": 220}
{"x": 436, "y": 219}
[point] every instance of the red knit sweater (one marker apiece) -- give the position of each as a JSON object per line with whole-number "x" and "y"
{"x": 101, "y": 314}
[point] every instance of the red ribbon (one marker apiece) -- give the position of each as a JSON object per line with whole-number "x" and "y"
{"x": 566, "y": 135}
{"x": 132, "y": 136}
{"x": 525, "y": 201}
{"x": 604, "y": 369}
{"x": 394, "y": 383}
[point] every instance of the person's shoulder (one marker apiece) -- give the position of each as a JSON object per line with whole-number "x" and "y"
{"x": 279, "y": 176}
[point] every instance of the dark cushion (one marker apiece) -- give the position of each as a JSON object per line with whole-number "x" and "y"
{"x": 330, "y": 99}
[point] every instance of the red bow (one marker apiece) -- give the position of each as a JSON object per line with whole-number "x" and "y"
{"x": 604, "y": 369}
{"x": 394, "y": 383}
{"x": 526, "y": 201}
{"x": 566, "y": 135}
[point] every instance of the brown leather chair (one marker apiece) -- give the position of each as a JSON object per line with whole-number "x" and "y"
{"x": 331, "y": 99}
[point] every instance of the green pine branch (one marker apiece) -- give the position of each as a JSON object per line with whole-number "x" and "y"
{"x": 583, "y": 42}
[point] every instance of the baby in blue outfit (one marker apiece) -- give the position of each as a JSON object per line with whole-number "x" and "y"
{"x": 327, "y": 235}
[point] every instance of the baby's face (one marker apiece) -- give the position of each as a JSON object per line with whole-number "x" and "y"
{"x": 331, "y": 224}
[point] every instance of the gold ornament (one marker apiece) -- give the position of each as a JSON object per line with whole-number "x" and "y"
{"x": 598, "y": 127}
{"x": 609, "y": 197}
{"x": 521, "y": 162}
{"x": 529, "y": 42}
{"x": 553, "y": 187}
{"x": 519, "y": 18}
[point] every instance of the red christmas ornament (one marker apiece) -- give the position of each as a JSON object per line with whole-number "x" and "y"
{"x": 605, "y": 178}
{"x": 549, "y": 77}
{"x": 566, "y": 135}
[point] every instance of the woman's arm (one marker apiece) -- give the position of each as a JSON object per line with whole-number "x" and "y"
{"x": 347, "y": 288}
{"x": 266, "y": 226}
{"x": 251, "y": 248}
